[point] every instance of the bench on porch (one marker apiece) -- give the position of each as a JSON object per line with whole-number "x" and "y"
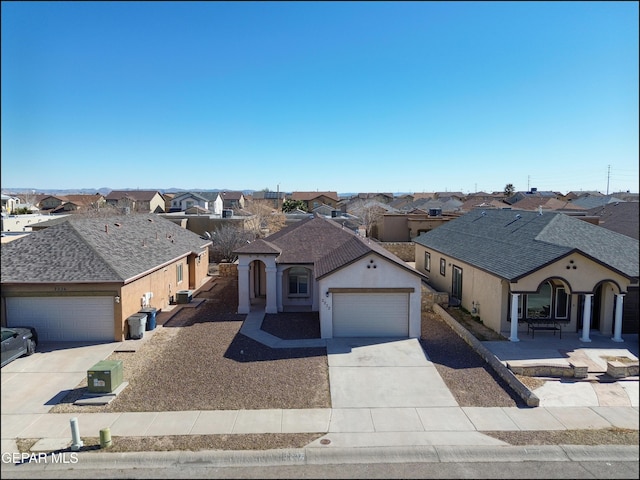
{"x": 548, "y": 324}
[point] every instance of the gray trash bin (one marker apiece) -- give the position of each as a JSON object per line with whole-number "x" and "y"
{"x": 137, "y": 323}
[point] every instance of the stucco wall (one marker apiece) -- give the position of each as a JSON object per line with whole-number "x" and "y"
{"x": 580, "y": 272}
{"x": 228, "y": 269}
{"x": 403, "y": 250}
{"x": 384, "y": 275}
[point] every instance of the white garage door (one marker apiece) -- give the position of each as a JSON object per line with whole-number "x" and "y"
{"x": 64, "y": 319}
{"x": 370, "y": 315}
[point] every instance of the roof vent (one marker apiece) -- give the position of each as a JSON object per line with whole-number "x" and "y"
{"x": 518, "y": 216}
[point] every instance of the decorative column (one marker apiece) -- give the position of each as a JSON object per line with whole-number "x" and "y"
{"x": 617, "y": 325}
{"x": 279, "y": 291}
{"x": 272, "y": 305}
{"x": 586, "y": 318}
{"x": 244, "y": 305}
{"x": 514, "y": 317}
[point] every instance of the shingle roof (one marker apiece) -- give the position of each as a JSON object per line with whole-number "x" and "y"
{"x": 320, "y": 242}
{"x": 620, "y": 217}
{"x": 512, "y": 244}
{"x": 138, "y": 195}
{"x": 105, "y": 249}
{"x": 591, "y": 201}
{"x": 306, "y": 196}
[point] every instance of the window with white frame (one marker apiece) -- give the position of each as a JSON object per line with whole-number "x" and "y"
{"x": 179, "y": 273}
{"x": 427, "y": 261}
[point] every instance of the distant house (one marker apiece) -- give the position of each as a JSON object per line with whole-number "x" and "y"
{"x": 274, "y": 199}
{"x": 592, "y": 201}
{"x": 139, "y": 201}
{"x": 512, "y": 267}
{"x": 377, "y": 196}
{"x": 79, "y": 203}
{"x": 359, "y": 288}
{"x": 9, "y": 204}
{"x": 404, "y": 227}
{"x": 52, "y": 201}
{"x": 313, "y": 200}
{"x": 534, "y": 192}
{"x": 547, "y": 205}
{"x": 82, "y": 277}
{"x": 228, "y": 201}
{"x": 185, "y": 201}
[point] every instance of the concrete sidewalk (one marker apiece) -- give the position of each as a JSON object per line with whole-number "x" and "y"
{"x": 374, "y": 419}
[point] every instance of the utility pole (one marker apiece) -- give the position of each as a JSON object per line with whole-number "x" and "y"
{"x": 608, "y": 175}
{"x": 528, "y": 178}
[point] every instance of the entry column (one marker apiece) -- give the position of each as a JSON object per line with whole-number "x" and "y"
{"x": 586, "y": 318}
{"x": 244, "y": 304}
{"x": 272, "y": 304}
{"x": 514, "y": 317}
{"x": 617, "y": 325}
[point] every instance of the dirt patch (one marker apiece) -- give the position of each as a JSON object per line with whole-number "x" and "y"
{"x": 474, "y": 325}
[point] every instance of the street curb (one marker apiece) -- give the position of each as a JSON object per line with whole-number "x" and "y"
{"x": 530, "y": 398}
{"x": 329, "y": 456}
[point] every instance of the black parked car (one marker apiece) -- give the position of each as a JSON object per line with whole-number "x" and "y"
{"x": 16, "y": 342}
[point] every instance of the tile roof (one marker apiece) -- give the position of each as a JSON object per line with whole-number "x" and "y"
{"x": 320, "y": 242}
{"x": 512, "y": 244}
{"x": 97, "y": 249}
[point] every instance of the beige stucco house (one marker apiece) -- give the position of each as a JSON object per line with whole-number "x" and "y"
{"x": 509, "y": 268}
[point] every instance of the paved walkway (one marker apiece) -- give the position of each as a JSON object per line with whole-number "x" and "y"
{"x": 361, "y": 417}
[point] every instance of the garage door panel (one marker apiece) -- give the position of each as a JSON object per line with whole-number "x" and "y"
{"x": 370, "y": 315}
{"x": 64, "y": 319}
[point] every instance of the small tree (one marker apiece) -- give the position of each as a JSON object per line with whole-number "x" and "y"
{"x": 509, "y": 189}
{"x": 289, "y": 205}
{"x": 369, "y": 213}
{"x": 266, "y": 220}
{"x": 228, "y": 238}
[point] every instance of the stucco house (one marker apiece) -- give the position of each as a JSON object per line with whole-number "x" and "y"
{"x": 511, "y": 267}
{"x": 81, "y": 278}
{"x": 228, "y": 200}
{"x": 141, "y": 201}
{"x": 9, "y": 204}
{"x": 313, "y": 200}
{"x": 359, "y": 288}
{"x": 184, "y": 201}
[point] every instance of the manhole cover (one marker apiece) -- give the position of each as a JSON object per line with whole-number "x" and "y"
{"x": 325, "y": 441}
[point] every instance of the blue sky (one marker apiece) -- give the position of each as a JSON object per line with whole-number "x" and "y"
{"x": 338, "y": 96}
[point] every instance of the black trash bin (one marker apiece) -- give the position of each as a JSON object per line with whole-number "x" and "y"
{"x": 151, "y": 317}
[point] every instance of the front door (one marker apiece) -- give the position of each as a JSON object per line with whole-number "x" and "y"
{"x": 456, "y": 286}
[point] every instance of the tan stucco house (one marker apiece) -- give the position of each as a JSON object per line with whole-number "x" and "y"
{"x": 81, "y": 278}
{"x": 359, "y": 288}
{"x": 510, "y": 268}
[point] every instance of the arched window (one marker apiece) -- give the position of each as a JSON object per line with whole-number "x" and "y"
{"x": 298, "y": 281}
{"x": 539, "y": 304}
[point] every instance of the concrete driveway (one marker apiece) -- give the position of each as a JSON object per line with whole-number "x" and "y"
{"x": 384, "y": 373}
{"x": 36, "y": 383}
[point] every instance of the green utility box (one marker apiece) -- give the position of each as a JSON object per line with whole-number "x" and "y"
{"x": 104, "y": 376}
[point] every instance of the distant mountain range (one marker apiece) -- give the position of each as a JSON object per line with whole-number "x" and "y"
{"x": 106, "y": 190}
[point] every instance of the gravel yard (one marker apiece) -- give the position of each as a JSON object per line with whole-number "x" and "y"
{"x": 199, "y": 361}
